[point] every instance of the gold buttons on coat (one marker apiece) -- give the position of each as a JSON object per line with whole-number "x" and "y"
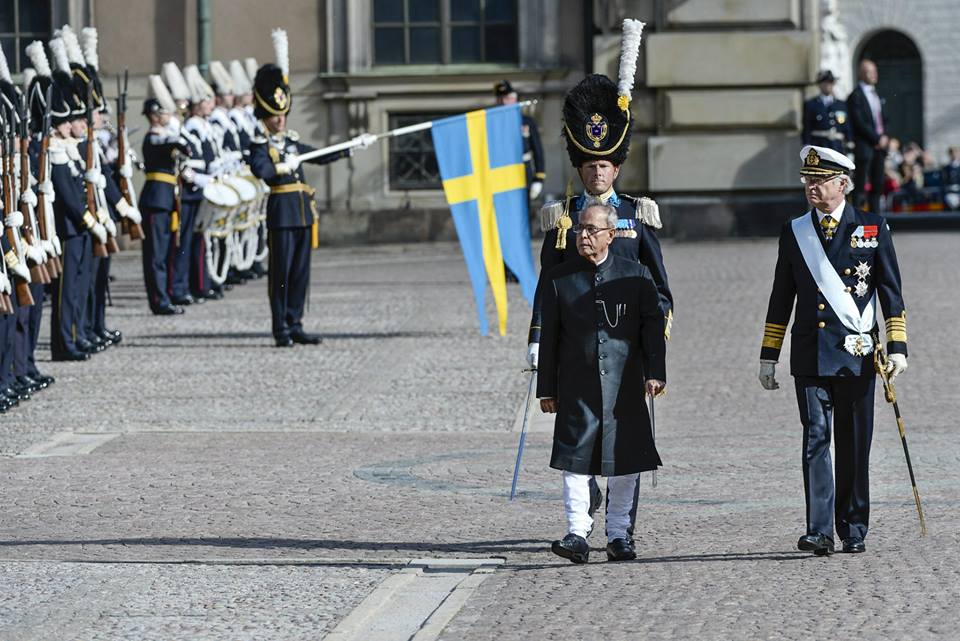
{"x": 846, "y": 272}
{"x": 821, "y": 324}
{"x": 821, "y": 307}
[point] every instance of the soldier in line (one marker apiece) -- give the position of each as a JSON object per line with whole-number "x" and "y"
{"x": 291, "y": 209}
{"x": 533, "y": 158}
{"x": 836, "y": 263}
{"x": 597, "y": 131}
{"x": 825, "y": 119}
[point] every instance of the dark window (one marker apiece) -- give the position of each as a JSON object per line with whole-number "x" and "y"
{"x": 444, "y": 31}
{"x": 413, "y": 162}
{"x": 22, "y": 22}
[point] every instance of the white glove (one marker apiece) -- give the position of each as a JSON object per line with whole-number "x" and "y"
{"x": 292, "y": 161}
{"x": 29, "y": 198}
{"x": 768, "y": 375}
{"x": 93, "y": 176}
{"x": 533, "y": 354}
{"x": 215, "y": 167}
{"x": 896, "y": 365}
{"x": 126, "y": 170}
{"x": 48, "y": 247}
{"x": 365, "y": 140}
{"x": 14, "y": 219}
{"x": 99, "y": 232}
{"x": 56, "y": 245}
{"x": 46, "y": 188}
{"x": 129, "y": 212}
{"x": 20, "y": 269}
{"x": 35, "y": 253}
{"x": 111, "y": 226}
{"x": 4, "y": 283}
{"x": 535, "y": 188}
{"x": 102, "y": 183}
{"x": 198, "y": 179}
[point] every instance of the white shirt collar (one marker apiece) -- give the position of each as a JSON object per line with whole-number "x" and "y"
{"x": 868, "y": 88}
{"x": 836, "y": 214}
{"x": 605, "y": 258}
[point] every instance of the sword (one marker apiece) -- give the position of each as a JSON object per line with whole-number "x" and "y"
{"x": 523, "y": 431}
{"x": 653, "y": 433}
{"x": 880, "y": 364}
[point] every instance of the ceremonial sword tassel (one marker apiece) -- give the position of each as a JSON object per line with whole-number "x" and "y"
{"x": 523, "y": 431}
{"x": 880, "y": 364}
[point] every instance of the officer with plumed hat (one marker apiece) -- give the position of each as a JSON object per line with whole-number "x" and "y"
{"x": 835, "y": 265}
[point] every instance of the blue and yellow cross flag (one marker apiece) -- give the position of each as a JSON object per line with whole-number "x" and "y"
{"x": 480, "y": 155}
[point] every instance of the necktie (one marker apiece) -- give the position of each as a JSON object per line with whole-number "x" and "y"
{"x": 829, "y": 226}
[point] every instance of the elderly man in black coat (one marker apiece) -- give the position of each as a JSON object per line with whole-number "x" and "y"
{"x": 601, "y": 348}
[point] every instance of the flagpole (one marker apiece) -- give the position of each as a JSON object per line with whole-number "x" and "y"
{"x": 393, "y": 133}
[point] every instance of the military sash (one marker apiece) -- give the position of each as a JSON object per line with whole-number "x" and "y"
{"x": 860, "y": 343}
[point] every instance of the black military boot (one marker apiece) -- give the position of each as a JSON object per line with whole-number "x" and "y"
{"x": 621, "y": 550}
{"x": 573, "y": 547}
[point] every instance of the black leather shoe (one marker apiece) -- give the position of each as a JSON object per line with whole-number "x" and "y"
{"x": 43, "y": 380}
{"x": 182, "y": 300}
{"x": 284, "y": 341}
{"x": 98, "y": 344}
{"x": 214, "y": 294}
{"x": 303, "y": 338}
{"x": 819, "y": 544}
{"x": 14, "y": 395}
{"x": 854, "y": 545}
{"x": 70, "y": 356}
{"x": 85, "y": 346}
{"x": 573, "y": 547}
{"x": 112, "y": 335}
{"x": 4, "y": 405}
{"x": 169, "y": 311}
{"x": 28, "y": 384}
{"x": 621, "y": 550}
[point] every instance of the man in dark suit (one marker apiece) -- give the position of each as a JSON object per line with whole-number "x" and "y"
{"x": 869, "y": 136}
{"x": 837, "y": 263}
{"x": 825, "y": 120}
{"x": 602, "y": 348}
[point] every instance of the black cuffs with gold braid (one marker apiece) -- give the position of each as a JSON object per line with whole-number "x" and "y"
{"x": 773, "y": 334}
{"x": 897, "y": 334}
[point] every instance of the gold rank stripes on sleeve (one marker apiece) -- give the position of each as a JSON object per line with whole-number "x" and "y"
{"x": 773, "y": 335}
{"x": 897, "y": 328}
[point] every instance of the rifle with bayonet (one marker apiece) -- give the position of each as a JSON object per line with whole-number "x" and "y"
{"x": 21, "y": 282}
{"x": 39, "y": 272}
{"x": 99, "y": 248}
{"x": 124, "y": 160}
{"x": 47, "y": 223}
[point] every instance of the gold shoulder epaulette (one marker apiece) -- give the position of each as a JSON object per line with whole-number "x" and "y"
{"x": 257, "y": 139}
{"x": 292, "y": 135}
{"x": 549, "y": 214}
{"x": 647, "y": 210}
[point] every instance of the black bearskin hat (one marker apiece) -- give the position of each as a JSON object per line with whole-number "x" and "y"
{"x": 596, "y": 122}
{"x": 271, "y": 91}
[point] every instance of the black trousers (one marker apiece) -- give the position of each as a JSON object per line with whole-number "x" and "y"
{"x": 157, "y": 239}
{"x": 8, "y": 332}
{"x": 69, "y": 294}
{"x": 27, "y": 333}
{"x": 95, "y": 318}
{"x": 869, "y": 169}
{"x": 837, "y": 496}
{"x": 289, "y": 278}
{"x": 181, "y": 257}
{"x": 200, "y": 281}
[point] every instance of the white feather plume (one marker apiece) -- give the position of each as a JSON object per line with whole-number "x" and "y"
{"x": 175, "y": 81}
{"x": 241, "y": 83}
{"x": 250, "y": 65}
{"x": 199, "y": 89}
{"x": 38, "y": 58}
{"x": 4, "y": 68}
{"x": 221, "y": 78}
{"x": 59, "y": 50}
{"x": 629, "y": 51}
{"x": 89, "y": 38}
{"x": 158, "y": 90}
{"x": 69, "y": 38}
{"x": 28, "y": 74}
{"x": 281, "y": 49}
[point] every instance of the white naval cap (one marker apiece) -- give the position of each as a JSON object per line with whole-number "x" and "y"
{"x": 821, "y": 161}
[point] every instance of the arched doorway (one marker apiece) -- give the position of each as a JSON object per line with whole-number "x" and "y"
{"x": 901, "y": 82}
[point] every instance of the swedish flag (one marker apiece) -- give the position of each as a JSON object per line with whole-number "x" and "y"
{"x": 480, "y": 156}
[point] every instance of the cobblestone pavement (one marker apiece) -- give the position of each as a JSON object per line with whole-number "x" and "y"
{"x": 251, "y": 492}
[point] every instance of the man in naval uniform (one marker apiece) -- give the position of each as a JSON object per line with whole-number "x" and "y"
{"x": 825, "y": 121}
{"x": 836, "y": 262}
{"x": 291, "y": 216}
{"x": 597, "y": 131}
{"x": 602, "y": 348}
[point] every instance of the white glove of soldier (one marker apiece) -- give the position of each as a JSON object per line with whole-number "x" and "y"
{"x": 99, "y": 232}
{"x": 46, "y": 188}
{"x": 215, "y": 168}
{"x": 126, "y": 170}
{"x": 110, "y": 226}
{"x": 13, "y": 219}
{"x": 93, "y": 176}
{"x": 29, "y": 198}
{"x": 365, "y": 140}
{"x": 533, "y": 354}
{"x": 768, "y": 375}
{"x": 129, "y": 212}
{"x": 292, "y": 161}
{"x": 20, "y": 269}
{"x": 35, "y": 253}
{"x": 536, "y": 187}
{"x": 55, "y": 241}
{"x": 48, "y": 247}
{"x": 896, "y": 365}
{"x": 4, "y": 283}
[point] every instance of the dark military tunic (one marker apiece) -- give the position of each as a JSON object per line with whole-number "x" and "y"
{"x": 602, "y": 337}
{"x": 533, "y": 158}
{"x": 827, "y": 125}
{"x": 634, "y": 241}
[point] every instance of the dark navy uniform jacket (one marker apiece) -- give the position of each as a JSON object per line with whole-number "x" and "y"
{"x": 202, "y": 153}
{"x": 826, "y": 126}
{"x": 602, "y": 337}
{"x": 634, "y": 241}
{"x": 160, "y": 151}
{"x": 293, "y": 208}
{"x": 532, "y": 150}
{"x": 817, "y": 335}
{"x": 70, "y": 203}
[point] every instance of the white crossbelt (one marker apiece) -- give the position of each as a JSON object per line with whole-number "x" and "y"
{"x": 860, "y": 343}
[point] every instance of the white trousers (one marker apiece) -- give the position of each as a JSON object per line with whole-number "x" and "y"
{"x": 576, "y": 503}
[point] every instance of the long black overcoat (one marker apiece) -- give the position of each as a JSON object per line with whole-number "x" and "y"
{"x": 601, "y": 337}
